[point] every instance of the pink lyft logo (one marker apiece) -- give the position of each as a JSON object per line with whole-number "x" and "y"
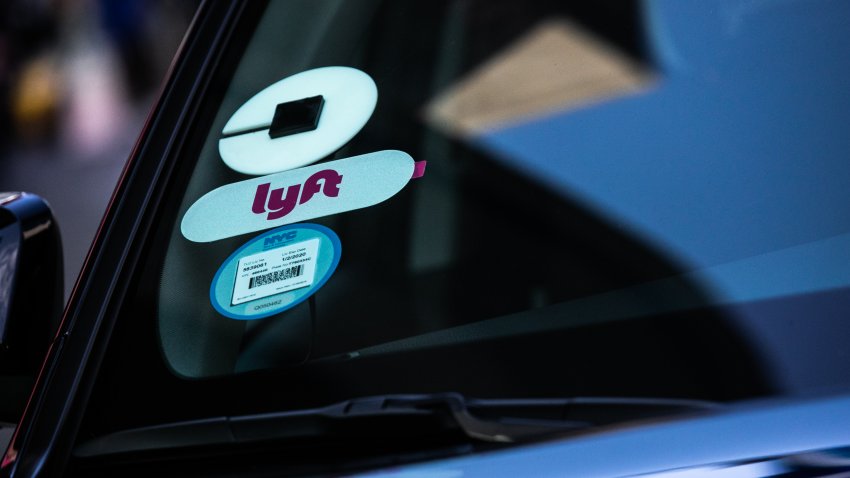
{"x": 279, "y": 205}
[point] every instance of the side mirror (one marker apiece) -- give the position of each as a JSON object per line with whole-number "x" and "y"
{"x": 31, "y": 294}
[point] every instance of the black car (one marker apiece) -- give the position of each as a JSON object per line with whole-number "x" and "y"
{"x": 457, "y": 238}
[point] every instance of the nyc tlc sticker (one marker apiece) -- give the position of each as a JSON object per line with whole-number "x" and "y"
{"x": 299, "y": 195}
{"x": 275, "y": 271}
{"x": 298, "y": 120}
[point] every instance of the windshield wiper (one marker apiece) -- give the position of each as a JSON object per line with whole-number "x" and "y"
{"x": 490, "y": 420}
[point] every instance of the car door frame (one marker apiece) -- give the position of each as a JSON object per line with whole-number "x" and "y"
{"x": 43, "y": 440}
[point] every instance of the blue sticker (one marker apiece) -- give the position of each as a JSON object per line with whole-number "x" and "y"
{"x": 275, "y": 271}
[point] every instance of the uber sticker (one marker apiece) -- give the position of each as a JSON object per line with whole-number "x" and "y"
{"x": 298, "y": 120}
{"x": 299, "y": 195}
{"x": 275, "y": 271}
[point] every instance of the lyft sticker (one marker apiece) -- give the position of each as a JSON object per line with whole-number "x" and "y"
{"x": 298, "y": 120}
{"x": 299, "y": 195}
{"x": 279, "y": 205}
{"x": 275, "y": 271}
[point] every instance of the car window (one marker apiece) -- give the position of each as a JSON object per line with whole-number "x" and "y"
{"x": 495, "y": 199}
{"x": 403, "y": 262}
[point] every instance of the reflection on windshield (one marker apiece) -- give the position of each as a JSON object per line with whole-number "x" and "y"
{"x": 652, "y": 197}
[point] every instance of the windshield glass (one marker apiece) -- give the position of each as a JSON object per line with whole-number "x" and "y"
{"x": 584, "y": 165}
{"x": 504, "y": 199}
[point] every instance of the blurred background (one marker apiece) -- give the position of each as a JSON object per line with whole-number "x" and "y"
{"x": 77, "y": 79}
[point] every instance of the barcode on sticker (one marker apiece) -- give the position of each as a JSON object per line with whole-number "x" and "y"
{"x": 275, "y": 271}
{"x": 276, "y": 276}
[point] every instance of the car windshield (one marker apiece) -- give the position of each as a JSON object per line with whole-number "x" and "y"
{"x": 504, "y": 199}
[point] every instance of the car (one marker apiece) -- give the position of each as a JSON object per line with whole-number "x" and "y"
{"x": 461, "y": 238}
